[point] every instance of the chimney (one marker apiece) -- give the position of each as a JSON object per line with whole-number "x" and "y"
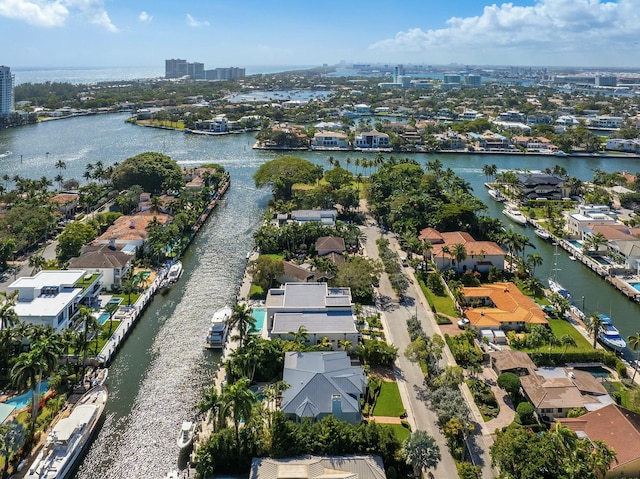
{"x": 336, "y": 406}
{"x": 112, "y": 243}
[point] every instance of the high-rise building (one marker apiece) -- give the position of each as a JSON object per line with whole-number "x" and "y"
{"x": 473, "y": 80}
{"x": 398, "y": 71}
{"x": 606, "y": 80}
{"x": 7, "y": 81}
{"x": 195, "y": 70}
{"x": 231, "y": 73}
{"x": 175, "y": 68}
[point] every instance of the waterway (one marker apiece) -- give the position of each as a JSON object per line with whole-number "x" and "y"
{"x": 156, "y": 378}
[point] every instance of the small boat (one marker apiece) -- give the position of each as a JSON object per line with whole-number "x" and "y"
{"x": 175, "y": 272}
{"x": 496, "y": 195}
{"x": 540, "y": 233}
{"x": 5, "y": 154}
{"x": 185, "y": 436}
{"x": 514, "y": 214}
{"x": 219, "y": 329}
{"x": 572, "y": 258}
{"x": 609, "y": 335}
{"x": 556, "y": 287}
{"x": 69, "y": 437}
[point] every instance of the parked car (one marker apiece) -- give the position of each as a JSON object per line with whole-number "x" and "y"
{"x": 463, "y": 323}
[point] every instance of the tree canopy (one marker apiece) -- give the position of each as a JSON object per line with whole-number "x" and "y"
{"x": 153, "y": 171}
{"x": 283, "y": 173}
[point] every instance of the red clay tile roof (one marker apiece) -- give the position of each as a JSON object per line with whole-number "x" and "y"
{"x": 511, "y": 306}
{"x": 132, "y": 227}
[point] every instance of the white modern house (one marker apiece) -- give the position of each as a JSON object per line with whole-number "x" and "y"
{"x": 330, "y": 140}
{"x": 368, "y": 140}
{"x": 53, "y": 297}
{"x": 326, "y": 217}
{"x": 589, "y": 216}
{"x": 324, "y": 312}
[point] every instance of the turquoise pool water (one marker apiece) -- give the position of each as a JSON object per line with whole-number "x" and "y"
{"x": 576, "y": 243}
{"x": 24, "y": 399}
{"x": 259, "y": 315}
{"x": 104, "y": 317}
{"x": 635, "y": 286}
{"x": 115, "y": 301}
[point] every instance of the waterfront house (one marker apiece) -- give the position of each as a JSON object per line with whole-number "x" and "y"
{"x": 53, "y": 297}
{"x": 586, "y": 217}
{"x": 490, "y": 141}
{"x": 305, "y": 273}
{"x": 553, "y": 392}
{"x": 318, "y": 467}
{"x": 535, "y": 186}
{"x": 330, "y": 245}
{"x": 622, "y": 144}
{"x": 372, "y": 140}
{"x": 112, "y": 263}
{"x": 218, "y": 124}
{"x": 619, "y": 429}
{"x": 500, "y": 306}
{"x": 131, "y": 229}
{"x": 322, "y": 384}
{"x": 324, "y": 312}
{"x": 326, "y": 217}
{"x": 330, "y": 140}
{"x": 481, "y": 255}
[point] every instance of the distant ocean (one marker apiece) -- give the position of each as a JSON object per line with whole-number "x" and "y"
{"x": 77, "y": 75}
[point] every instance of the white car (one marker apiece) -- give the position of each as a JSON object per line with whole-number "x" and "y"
{"x": 463, "y": 323}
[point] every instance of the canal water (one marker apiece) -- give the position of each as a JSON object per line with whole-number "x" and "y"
{"x": 156, "y": 378}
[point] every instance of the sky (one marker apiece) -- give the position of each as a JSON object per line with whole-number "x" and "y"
{"x": 110, "y": 33}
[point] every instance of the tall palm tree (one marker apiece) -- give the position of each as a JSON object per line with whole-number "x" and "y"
{"x": 345, "y": 344}
{"x": 242, "y": 319}
{"x": 210, "y": 403}
{"x": 301, "y": 336}
{"x": 634, "y": 343}
{"x": 8, "y": 316}
{"x": 11, "y": 440}
{"x": 446, "y": 250}
{"x": 595, "y": 325}
{"x": 237, "y": 403}
{"x": 460, "y": 254}
{"x": 534, "y": 260}
{"x": 36, "y": 262}
{"x": 27, "y": 372}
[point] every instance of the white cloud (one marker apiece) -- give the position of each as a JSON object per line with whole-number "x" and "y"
{"x": 192, "y": 22}
{"x": 144, "y": 17}
{"x": 35, "y": 12}
{"x": 54, "y": 13}
{"x": 550, "y": 29}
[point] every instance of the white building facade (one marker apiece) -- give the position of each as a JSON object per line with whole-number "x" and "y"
{"x": 7, "y": 99}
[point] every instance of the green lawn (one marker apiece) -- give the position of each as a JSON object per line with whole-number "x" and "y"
{"x": 389, "y": 402}
{"x": 399, "y": 431}
{"x": 442, "y": 304}
{"x": 127, "y": 299}
{"x": 560, "y": 327}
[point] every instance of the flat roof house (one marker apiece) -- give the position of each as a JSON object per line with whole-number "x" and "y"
{"x": 312, "y": 467}
{"x": 323, "y": 311}
{"x": 322, "y": 384}
{"x": 53, "y": 297}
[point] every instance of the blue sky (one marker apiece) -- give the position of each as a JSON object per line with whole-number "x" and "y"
{"x": 92, "y": 33}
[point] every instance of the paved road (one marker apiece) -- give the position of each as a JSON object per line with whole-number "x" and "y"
{"x": 409, "y": 376}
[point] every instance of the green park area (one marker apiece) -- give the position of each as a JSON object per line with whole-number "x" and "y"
{"x": 389, "y": 402}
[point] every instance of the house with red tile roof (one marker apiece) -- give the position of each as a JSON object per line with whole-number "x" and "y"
{"x": 500, "y": 306}
{"x": 131, "y": 229}
{"x": 481, "y": 255}
{"x": 619, "y": 429}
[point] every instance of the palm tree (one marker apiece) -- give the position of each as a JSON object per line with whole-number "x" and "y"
{"x": 242, "y": 319}
{"x": 237, "y": 403}
{"x": 421, "y": 451}
{"x": 534, "y": 260}
{"x": 8, "y": 316}
{"x": 447, "y": 250}
{"x": 324, "y": 344}
{"x": 595, "y": 325}
{"x": 460, "y": 254}
{"x": 345, "y": 344}
{"x": 210, "y": 403}
{"x": 634, "y": 343}
{"x": 27, "y": 371}
{"x": 567, "y": 340}
{"x": 36, "y": 262}
{"x": 11, "y": 440}
{"x": 301, "y": 336}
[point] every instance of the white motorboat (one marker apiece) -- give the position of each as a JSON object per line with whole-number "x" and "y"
{"x": 219, "y": 329}
{"x": 514, "y": 214}
{"x": 556, "y": 287}
{"x": 175, "y": 272}
{"x": 609, "y": 335}
{"x": 185, "y": 436}
{"x": 543, "y": 234}
{"x": 69, "y": 437}
{"x": 496, "y": 195}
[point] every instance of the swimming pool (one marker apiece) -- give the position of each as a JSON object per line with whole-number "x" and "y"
{"x": 595, "y": 371}
{"x": 104, "y": 317}
{"x": 635, "y": 285}
{"x": 22, "y": 401}
{"x": 575, "y": 243}
{"x": 259, "y": 315}
{"x": 115, "y": 301}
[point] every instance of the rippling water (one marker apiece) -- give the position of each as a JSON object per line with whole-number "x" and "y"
{"x": 156, "y": 378}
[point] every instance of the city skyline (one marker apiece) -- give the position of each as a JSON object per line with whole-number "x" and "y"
{"x": 77, "y": 33}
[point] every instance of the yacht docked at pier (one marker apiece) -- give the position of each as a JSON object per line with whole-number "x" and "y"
{"x": 217, "y": 335}
{"x": 69, "y": 437}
